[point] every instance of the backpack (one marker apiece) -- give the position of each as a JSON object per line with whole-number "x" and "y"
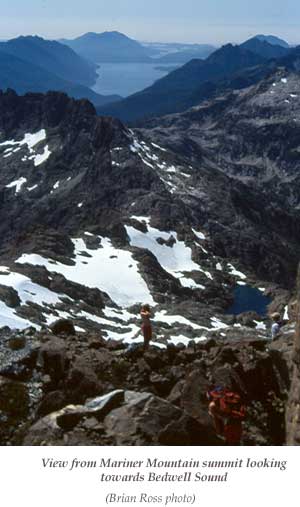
{"x": 228, "y": 402}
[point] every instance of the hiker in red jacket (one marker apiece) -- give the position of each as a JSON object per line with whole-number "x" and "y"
{"x": 227, "y": 413}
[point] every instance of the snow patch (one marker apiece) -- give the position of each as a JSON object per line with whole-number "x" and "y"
{"x": 9, "y": 318}
{"x": 158, "y": 147}
{"x": 17, "y": 184}
{"x": 162, "y": 316}
{"x": 218, "y": 324}
{"x": 234, "y": 272}
{"x": 171, "y": 169}
{"x": 115, "y": 313}
{"x": 260, "y": 325}
{"x": 199, "y": 235}
{"x": 27, "y": 290}
{"x": 41, "y": 158}
{"x": 109, "y": 269}
{"x": 31, "y": 140}
{"x": 32, "y": 188}
{"x": 190, "y": 283}
{"x": 175, "y": 259}
{"x": 141, "y": 219}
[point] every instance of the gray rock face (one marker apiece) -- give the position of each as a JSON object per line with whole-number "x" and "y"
{"x": 243, "y": 134}
{"x": 293, "y": 407}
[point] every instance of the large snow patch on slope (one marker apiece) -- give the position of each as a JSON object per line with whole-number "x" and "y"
{"x": 110, "y": 269}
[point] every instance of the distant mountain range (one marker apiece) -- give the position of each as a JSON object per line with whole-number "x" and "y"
{"x": 178, "y": 53}
{"x": 186, "y": 55}
{"x": 227, "y": 68}
{"x": 115, "y": 47}
{"x": 159, "y": 49}
{"x": 33, "y": 64}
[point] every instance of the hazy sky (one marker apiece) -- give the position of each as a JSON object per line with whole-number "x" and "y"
{"x": 213, "y": 21}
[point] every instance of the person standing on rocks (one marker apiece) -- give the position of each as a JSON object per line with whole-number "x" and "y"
{"x": 275, "y": 329}
{"x": 146, "y": 325}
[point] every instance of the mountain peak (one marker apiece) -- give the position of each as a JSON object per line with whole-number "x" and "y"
{"x": 109, "y": 47}
{"x": 261, "y": 46}
{"x": 273, "y": 40}
{"x": 104, "y": 36}
{"x": 233, "y": 52}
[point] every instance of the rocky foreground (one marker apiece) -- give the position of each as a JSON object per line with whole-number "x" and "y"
{"x": 79, "y": 389}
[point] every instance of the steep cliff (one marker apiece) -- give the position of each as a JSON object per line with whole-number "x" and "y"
{"x": 293, "y": 407}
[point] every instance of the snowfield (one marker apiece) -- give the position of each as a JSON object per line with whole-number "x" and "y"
{"x": 175, "y": 257}
{"x": 109, "y": 269}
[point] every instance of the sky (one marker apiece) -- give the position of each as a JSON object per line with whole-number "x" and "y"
{"x": 202, "y": 21}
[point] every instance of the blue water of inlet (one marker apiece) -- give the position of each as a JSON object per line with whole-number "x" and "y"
{"x": 127, "y": 78}
{"x": 249, "y": 299}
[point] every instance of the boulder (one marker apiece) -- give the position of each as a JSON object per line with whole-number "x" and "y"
{"x": 104, "y": 404}
{"x": 162, "y": 384}
{"x": 81, "y": 381}
{"x": 51, "y": 402}
{"x": 14, "y": 409}
{"x": 247, "y": 319}
{"x": 145, "y": 419}
{"x": 17, "y": 342}
{"x": 51, "y": 428}
{"x": 53, "y": 359}
{"x": 9, "y": 296}
{"x": 63, "y": 327}
{"x": 14, "y": 398}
